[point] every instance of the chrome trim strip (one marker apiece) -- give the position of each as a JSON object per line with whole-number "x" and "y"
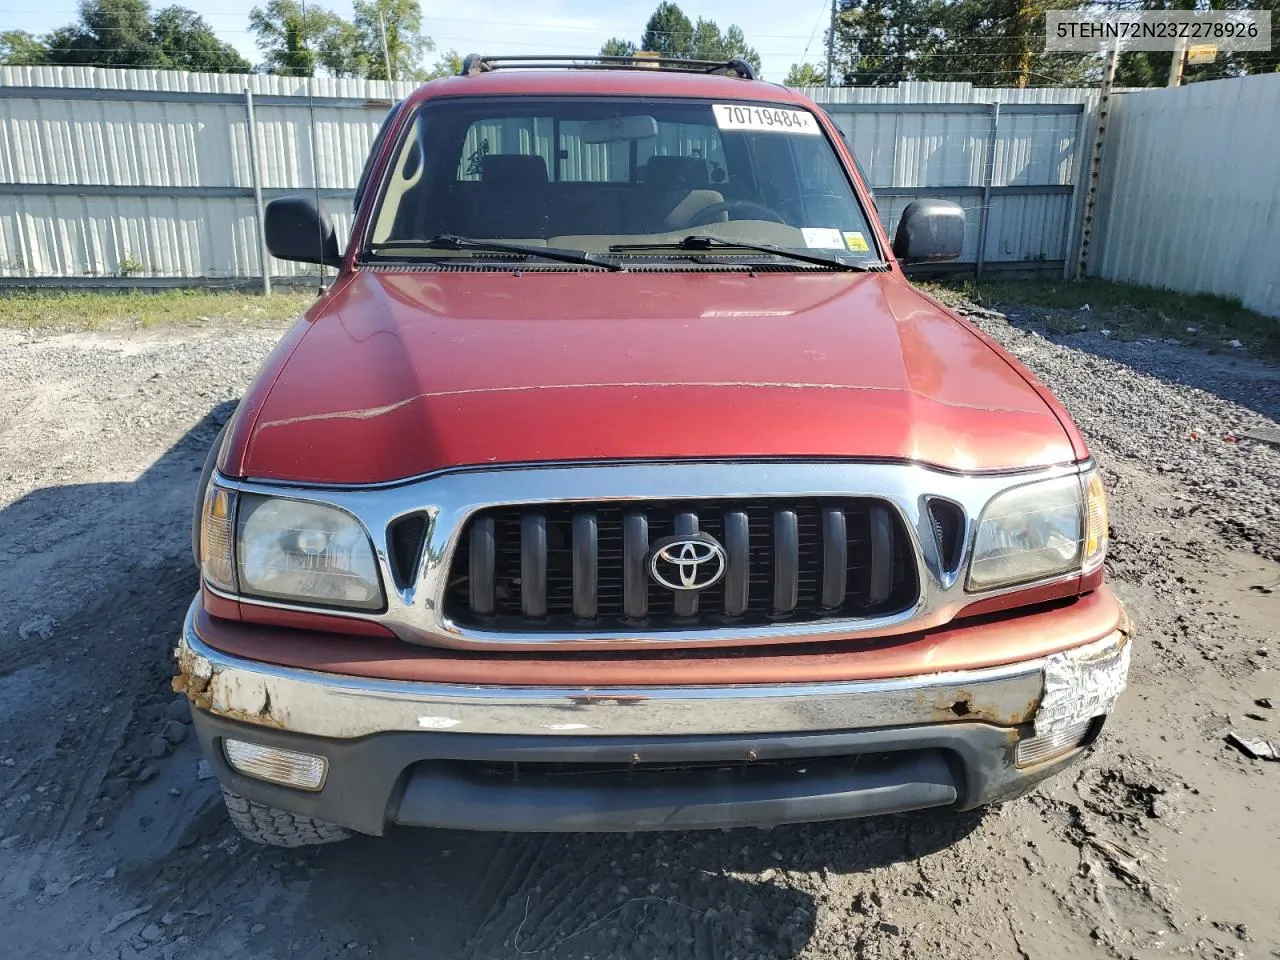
{"x": 415, "y": 613}
{"x": 331, "y": 705}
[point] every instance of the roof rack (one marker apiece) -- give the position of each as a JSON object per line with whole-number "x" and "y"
{"x": 474, "y": 63}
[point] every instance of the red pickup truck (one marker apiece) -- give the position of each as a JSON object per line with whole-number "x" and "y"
{"x": 621, "y": 481}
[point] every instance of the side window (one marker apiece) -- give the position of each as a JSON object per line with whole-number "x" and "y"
{"x": 504, "y": 136}
{"x": 376, "y": 148}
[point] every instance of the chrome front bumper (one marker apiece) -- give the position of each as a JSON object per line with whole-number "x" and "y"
{"x": 428, "y": 754}
{"x": 342, "y": 707}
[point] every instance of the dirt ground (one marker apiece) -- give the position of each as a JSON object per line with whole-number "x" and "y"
{"x": 1164, "y": 842}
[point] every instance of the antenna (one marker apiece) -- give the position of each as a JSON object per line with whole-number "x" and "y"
{"x": 315, "y": 163}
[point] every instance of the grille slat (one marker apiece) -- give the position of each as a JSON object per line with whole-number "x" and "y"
{"x": 585, "y": 567}
{"x": 835, "y": 557}
{"x": 786, "y": 561}
{"x": 533, "y": 565}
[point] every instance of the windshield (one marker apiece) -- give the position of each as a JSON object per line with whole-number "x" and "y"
{"x": 593, "y": 174}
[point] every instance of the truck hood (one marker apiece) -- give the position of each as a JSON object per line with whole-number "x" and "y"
{"x": 397, "y": 374}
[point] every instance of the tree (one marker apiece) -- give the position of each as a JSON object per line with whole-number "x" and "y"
{"x": 1145, "y": 68}
{"x": 391, "y": 30}
{"x": 340, "y": 50}
{"x": 878, "y": 42}
{"x": 805, "y": 75}
{"x": 21, "y": 49}
{"x": 668, "y": 32}
{"x": 710, "y": 44}
{"x": 110, "y": 33}
{"x": 291, "y": 42}
{"x": 985, "y": 42}
{"x": 124, "y": 33}
{"x": 1000, "y": 43}
{"x": 448, "y": 65}
{"x": 187, "y": 42}
{"x": 617, "y": 47}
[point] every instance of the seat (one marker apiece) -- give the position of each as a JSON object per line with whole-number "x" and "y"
{"x": 673, "y": 191}
{"x": 512, "y": 200}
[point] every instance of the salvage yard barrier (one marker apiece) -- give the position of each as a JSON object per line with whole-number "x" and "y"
{"x": 136, "y": 178}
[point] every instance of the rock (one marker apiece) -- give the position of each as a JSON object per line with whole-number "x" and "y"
{"x": 146, "y": 775}
{"x": 158, "y": 747}
{"x": 175, "y": 731}
{"x": 109, "y": 873}
{"x": 57, "y": 887}
{"x": 151, "y": 713}
{"x": 9, "y": 842}
{"x": 169, "y": 919}
{"x": 151, "y": 933}
{"x": 204, "y": 771}
{"x": 42, "y": 627}
{"x": 1264, "y": 702}
{"x": 257, "y": 928}
{"x": 179, "y": 709}
{"x": 120, "y": 919}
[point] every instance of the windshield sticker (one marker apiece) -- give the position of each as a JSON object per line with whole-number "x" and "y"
{"x": 733, "y": 116}
{"x": 856, "y": 241}
{"x": 822, "y": 238}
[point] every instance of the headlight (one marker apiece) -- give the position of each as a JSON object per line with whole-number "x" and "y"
{"x": 305, "y": 552}
{"x": 1034, "y": 532}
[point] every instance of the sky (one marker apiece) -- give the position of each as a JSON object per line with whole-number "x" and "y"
{"x": 779, "y": 30}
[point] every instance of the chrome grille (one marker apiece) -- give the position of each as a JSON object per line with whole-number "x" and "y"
{"x": 584, "y": 566}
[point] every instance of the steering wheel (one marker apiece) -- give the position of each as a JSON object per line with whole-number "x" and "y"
{"x": 732, "y": 207}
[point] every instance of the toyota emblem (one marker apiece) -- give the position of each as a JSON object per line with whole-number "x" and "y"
{"x": 691, "y": 562}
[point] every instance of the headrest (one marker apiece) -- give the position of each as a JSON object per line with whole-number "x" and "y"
{"x": 513, "y": 170}
{"x": 676, "y": 172}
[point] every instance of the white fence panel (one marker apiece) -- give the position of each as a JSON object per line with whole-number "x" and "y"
{"x": 1190, "y": 193}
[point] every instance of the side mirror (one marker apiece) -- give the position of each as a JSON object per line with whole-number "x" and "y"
{"x": 297, "y": 230}
{"x": 929, "y": 231}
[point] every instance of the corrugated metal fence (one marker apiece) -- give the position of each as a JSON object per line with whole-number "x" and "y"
{"x": 1190, "y": 191}
{"x": 111, "y": 177}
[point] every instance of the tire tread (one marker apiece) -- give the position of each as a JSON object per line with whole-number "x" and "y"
{"x": 278, "y": 828}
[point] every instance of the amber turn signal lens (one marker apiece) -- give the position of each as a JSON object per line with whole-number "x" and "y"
{"x": 1096, "y": 521}
{"x": 216, "y": 538}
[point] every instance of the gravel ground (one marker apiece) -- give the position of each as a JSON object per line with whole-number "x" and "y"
{"x": 1164, "y": 842}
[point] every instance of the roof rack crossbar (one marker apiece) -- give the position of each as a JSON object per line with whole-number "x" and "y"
{"x": 475, "y": 63}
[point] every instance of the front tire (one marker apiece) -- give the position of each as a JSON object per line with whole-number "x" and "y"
{"x": 274, "y": 827}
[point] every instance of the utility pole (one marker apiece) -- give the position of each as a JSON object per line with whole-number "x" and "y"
{"x": 1179, "y": 58}
{"x": 386, "y": 57}
{"x": 831, "y": 43}
{"x": 1093, "y": 174}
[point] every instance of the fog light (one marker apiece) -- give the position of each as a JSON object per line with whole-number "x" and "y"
{"x": 288, "y": 767}
{"x": 1053, "y": 744}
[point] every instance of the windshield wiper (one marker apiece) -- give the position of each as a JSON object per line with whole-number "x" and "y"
{"x": 449, "y": 241}
{"x": 696, "y": 241}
